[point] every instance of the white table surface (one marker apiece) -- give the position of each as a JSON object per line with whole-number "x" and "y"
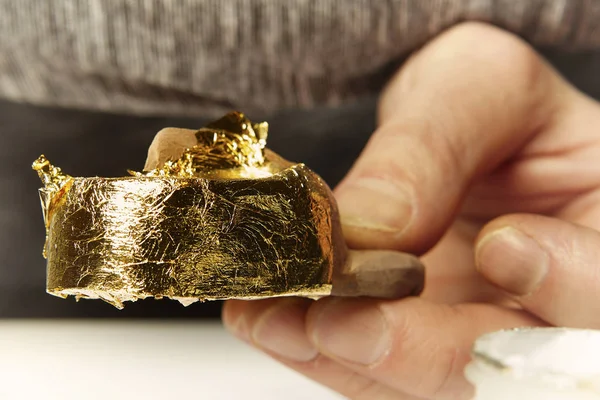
{"x": 106, "y": 360}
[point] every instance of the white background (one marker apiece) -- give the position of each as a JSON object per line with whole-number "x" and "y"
{"x": 139, "y": 360}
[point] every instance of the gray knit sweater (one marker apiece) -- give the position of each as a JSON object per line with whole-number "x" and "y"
{"x": 200, "y": 57}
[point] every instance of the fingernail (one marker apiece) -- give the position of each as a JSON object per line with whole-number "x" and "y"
{"x": 376, "y": 204}
{"x": 281, "y": 330}
{"x": 512, "y": 260}
{"x": 352, "y": 331}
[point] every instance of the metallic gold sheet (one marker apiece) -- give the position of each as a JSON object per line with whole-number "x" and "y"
{"x": 229, "y": 219}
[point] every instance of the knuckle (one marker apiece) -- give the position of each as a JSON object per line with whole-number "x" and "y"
{"x": 430, "y": 153}
{"x": 488, "y": 75}
{"x": 504, "y": 55}
{"x": 391, "y": 140}
{"x": 385, "y": 159}
{"x": 446, "y": 152}
{"x": 480, "y": 56}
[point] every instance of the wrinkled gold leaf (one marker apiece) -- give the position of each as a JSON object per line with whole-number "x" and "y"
{"x": 228, "y": 219}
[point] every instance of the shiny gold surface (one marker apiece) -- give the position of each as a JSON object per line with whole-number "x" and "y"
{"x": 228, "y": 219}
{"x": 56, "y": 184}
{"x": 230, "y": 148}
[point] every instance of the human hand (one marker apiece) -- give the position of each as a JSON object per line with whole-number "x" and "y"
{"x": 485, "y": 162}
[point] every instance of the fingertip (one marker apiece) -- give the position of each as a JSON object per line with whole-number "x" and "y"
{"x": 353, "y": 330}
{"x": 276, "y": 326}
{"x": 373, "y": 222}
{"x": 281, "y": 330}
{"x": 231, "y": 311}
{"x": 361, "y": 237}
{"x": 235, "y": 320}
{"x": 515, "y": 220}
{"x": 511, "y": 258}
{"x": 548, "y": 265}
{"x": 239, "y": 316}
{"x": 375, "y": 212}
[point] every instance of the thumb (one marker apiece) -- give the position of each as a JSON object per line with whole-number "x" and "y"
{"x": 455, "y": 111}
{"x": 549, "y": 265}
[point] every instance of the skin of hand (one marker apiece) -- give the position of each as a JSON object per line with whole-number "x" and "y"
{"x": 487, "y": 164}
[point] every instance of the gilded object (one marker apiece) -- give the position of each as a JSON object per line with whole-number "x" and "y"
{"x": 227, "y": 219}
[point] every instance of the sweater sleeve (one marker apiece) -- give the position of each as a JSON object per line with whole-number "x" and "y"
{"x": 202, "y": 57}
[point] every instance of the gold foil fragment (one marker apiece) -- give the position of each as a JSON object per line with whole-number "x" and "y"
{"x": 228, "y": 219}
{"x": 231, "y": 147}
{"x": 55, "y": 185}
